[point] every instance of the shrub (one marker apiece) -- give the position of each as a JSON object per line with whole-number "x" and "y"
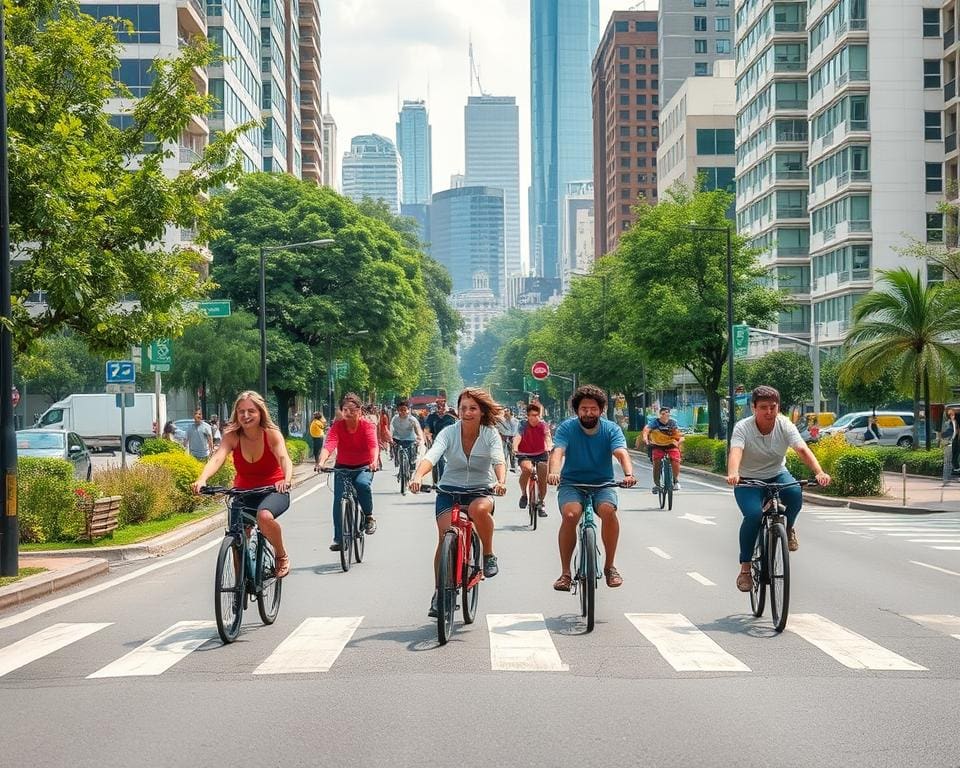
{"x": 720, "y": 457}
{"x": 226, "y": 473}
{"x": 700, "y": 449}
{"x": 796, "y": 467}
{"x": 184, "y": 469}
{"x": 46, "y": 501}
{"x": 298, "y": 449}
{"x": 155, "y": 445}
{"x": 829, "y": 449}
{"x": 631, "y": 435}
{"x": 148, "y": 491}
{"x": 858, "y": 474}
{"x": 918, "y": 462}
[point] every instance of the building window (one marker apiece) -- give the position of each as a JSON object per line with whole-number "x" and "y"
{"x": 641, "y": 98}
{"x": 722, "y": 3}
{"x": 624, "y": 178}
{"x": 624, "y": 114}
{"x": 654, "y": 68}
{"x": 655, "y": 99}
{"x": 934, "y": 274}
{"x": 699, "y": 3}
{"x": 624, "y": 98}
{"x": 700, "y": 69}
{"x": 623, "y": 52}
{"x": 641, "y": 115}
{"x": 699, "y": 46}
{"x": 722, "y": 24}
{"x": 934, "y": 227}
{"x": 699, "y": 23}
{"x": 715, "y": 141}
{"x": 624, "y": 83}
{"x": 931, "y": 73}
{"x": 645, "y": 26}
{"x": 624, "y": 146}
{"x": 641, "y": 146}
{"x": 654, "y": 53}
{"x": 144, "y": 19}
{"x": 136, "y": 74}
{"x": 641, "y": 85}
{"x": 625, "y": 210}
{"x": 625, "y": 193}
{"x": 723, "y": 45}
{"x": 931, "y": 22}
{"x": 624, "y": 130}
{"x": 641, "y": 69}
{"x": 624, "y": 162}
{"x": 641, "y": 130}
{"x": 641, "y": 53}
{"x": 622, "y": 26}
{"x": 932, "y": 122}
{"x": 934, "y": 177}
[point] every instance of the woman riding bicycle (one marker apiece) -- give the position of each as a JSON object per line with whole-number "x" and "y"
{"x": 758, "y": 449}
{"x": 260, "y": 458}
{"x": 474, "y": 457}
{"x": 354, "y": 438}
{"x": 532, "y": 445}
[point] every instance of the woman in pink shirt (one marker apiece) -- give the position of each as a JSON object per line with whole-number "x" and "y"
{"x": 354, "y": 439}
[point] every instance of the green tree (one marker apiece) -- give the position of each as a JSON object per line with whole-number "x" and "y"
{"x": 480, "y": 358}
{"x": 790, "y": 373}
{"x": 676, "y": 281}
{"x": 909, "y": 329}
{"x": 59, "y": 365}
{"x": 860, "y": 393}
{"x": 90, "y": 203}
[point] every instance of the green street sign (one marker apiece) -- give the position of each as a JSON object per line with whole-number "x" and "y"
{"x": 215, "y": 307}
{"x": 157, "y": 356}
{"x": 342, "y": 369}
{"x": 741, "y": 340}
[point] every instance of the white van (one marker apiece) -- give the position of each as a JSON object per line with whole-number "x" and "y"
{"x": 896, "y": 427}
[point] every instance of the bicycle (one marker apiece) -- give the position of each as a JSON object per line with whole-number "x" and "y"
{"x": 245, "y": 569}
{"x": 460, "y": 568}
{"x": 534, "y": 502}
{"x": 770, "y": 563}
{"x": 508, "y": 452}
{"x": 403, "y": 462}
{"x": 586, "y": 557}
{"x": 353, "y": 535}
{"x": 665, "y": 487}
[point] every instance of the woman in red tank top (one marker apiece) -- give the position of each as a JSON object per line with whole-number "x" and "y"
{"x": 260, "y": 458}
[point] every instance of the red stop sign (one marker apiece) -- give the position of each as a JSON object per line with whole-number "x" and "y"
{"x": 540, "y": 370}
{"x": 15, "y": 397}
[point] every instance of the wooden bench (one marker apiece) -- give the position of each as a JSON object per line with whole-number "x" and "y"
{"x": 102, "y": 517}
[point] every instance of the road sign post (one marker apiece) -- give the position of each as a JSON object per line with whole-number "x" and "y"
{"x": 741, "y": 341}
{"x": 157, "y": 356}
{"x": 540, "y": 370}
{"x": 121, "y": 377}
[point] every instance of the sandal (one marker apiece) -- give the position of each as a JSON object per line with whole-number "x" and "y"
{"x": 283, "y": 566}
{"x": 613, "y": 577}
{"x": 564, "y": 583}
{"x": 745, "y": 581}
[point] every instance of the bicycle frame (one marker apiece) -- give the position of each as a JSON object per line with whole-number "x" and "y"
{"x": 463, "y": 525}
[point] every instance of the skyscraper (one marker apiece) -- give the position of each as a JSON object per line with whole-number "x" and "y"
{"x": 372, "y": 169}
{"x": 692, "y": 36}
{"x": 415, "y": 146}
{"x": 331, "y": 161}
{"x": 563, "y": 38}
{"x": 492, "y": 143}
{"x": 313, "y": 161}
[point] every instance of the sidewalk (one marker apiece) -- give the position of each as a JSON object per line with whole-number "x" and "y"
{"x": 66, "y": 567}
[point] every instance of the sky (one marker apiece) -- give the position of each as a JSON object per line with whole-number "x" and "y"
{"x": 378, "y": 52}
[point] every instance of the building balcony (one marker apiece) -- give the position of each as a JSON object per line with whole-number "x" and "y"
{"x": 197, "y": 124}
{"x": 783, "y": 174}
{"x": 859, "y": 226}
{"x": 789, "y": 66}
{"x": 950, "y": 91}
{"x": 791, "y": 104}
{"x": 188, "y": 155}
{"x": 791, "y": 212}
{"x": 791, "y": 252}
{"x": 950, "y": 143}
{"x": 949, "y": 38}
{"x": 308, "y": 18}
{"x": 789, "y": 26}
{"x": 192, "y": 17}
{"x": 309, "y": 66}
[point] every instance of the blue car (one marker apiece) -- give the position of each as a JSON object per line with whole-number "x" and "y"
{"x": 54, "y": 444}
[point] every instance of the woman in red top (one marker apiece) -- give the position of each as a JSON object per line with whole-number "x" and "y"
{"x": 260, "y": 458}
{"x": 354, "y": 439}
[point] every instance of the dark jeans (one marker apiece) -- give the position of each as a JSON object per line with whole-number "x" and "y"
{"x": 410, "y": 446}
{"x": 438, "y": 470}
{"x": 955, "y": 454}
{"x": 362, "y": 478}
{"x": 317, "y": 447}
{"x": 750, "y": 501}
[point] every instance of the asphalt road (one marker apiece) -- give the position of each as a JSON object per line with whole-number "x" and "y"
{"x": 677, "y": 671}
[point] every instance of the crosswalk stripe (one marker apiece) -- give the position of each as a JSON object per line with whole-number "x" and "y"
{"x": 935, "y": 568}
{"x": 660, "y": 553}
{"x": 682, "y": 645}
{"x": 700, "y": 579}
{"x": 942, "y": 622}
{"x": 41, "y": 643}
{"x": 520, "y": 642}
{"x": 161, "y": 652}
{"x": 312, "y": 647}
{"x": 850, "y": 649}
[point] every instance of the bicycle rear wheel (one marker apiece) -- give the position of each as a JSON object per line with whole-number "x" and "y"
{"x": 587, "y": 576}
{"x": 533, "y": 499}
{"x": 359, "y": 533}
{"x": 268, "y": 602}
{"x": 472, "y": 565}
{"x": 346, "y": 534}
{"x": 446, "y": 587}
{"x": 229, "y": 589}
{"x": 778, "y": 569}
{"x": 666, "y": 482}
{"x": 404, "y": 462}
{"x": 758, "y": 576}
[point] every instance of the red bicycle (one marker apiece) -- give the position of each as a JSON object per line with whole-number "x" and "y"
{"x": 534, "y": 502}
{"x": 460, "y": 569}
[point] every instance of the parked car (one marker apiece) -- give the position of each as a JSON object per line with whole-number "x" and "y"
{"x": 811, "y": 424}
{"x": 53, "y": 444}
{"x": 896, "y": 427}
{"x": 182, "y": 425}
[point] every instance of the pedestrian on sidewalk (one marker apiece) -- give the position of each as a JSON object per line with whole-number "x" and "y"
{"x": 871, "y": 434}
{"x": 950, "y": 438}
{"x": 318, "y": 428}
{"x": 199, "y": 439}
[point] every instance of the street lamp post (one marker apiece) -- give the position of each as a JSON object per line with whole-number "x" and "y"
{"x": 264, "y": 250}
{"x": 731, "y": 395}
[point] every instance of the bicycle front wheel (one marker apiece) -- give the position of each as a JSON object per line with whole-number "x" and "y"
{"x": 758, "y": 576}
{"x": 446, "y": 587}
{"x": 346, "y": 534}
{"x": 359, "y": 534}
{"x": 471, "y": 567}
{"x": 667, "y": 482}
{"x": 229, "y": 589}
{"x": 404, "y": 463}
{"x": 587, "y": 576}
{"x": 533, "y": 500}
{"x": 778, "y": 569}
{"x": 268, "y": 602}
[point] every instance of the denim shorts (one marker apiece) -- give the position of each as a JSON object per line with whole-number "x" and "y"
{"x": 534, "y": 458}
{"x": 275, "y": 503}
{"x": 568, "y": 493}
{"x": 445, "y": 501}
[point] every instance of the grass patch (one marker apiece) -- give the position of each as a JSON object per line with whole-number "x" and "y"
{"x": 129, "y": 534}
{"x": 23, "y": 573}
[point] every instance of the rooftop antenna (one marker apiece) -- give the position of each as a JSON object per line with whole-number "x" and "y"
{"x": 475, "y": 73}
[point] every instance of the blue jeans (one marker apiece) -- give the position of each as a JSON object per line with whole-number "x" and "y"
{"x": 750, "y": 501}
{"x": 362, "y": 478}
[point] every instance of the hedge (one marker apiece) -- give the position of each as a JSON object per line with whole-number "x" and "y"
{"x": 298, "y": 449}
{"x": 154, "y": 445}
{"x": 928, "y": 463}
{"x": 48, "y": 506}
{"x": 147, "y": 490}
{"x": 700, "y": 449}
{"x": 858, "y": 474}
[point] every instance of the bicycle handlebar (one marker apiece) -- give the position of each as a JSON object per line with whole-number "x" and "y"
{"x": 462, "y": 492}
{"x": 595, "y": 486}
{"x": 344, "y": 470}
{"x": 213, "y": 490}
{"x": 752, "y": 483}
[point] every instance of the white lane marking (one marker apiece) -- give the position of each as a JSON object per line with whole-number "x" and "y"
{"x": 682, "y": 645}
{"x": 934, "y": 541}
{"x": 700, "y": 579}
{"x": 520, "y": 642}
{"x": 660, "y": 553}
{"x": 67, "y": 599}
{"x": 850, "y": 649}
{"x": 856, "y": 533}
{"x": 312, "y": 647}
{"x": 39, "y": 644}
{"x": 317, "y": 487}
{"x": 942, "y": 622}
{"x": 161, "y": 652}
{"x": 928, "y": 533}
{"x": 700, "y": 519}
{"x": 907, "y": 530}
{"x": 935, "y": 568}
{"x": 948, "y": 549}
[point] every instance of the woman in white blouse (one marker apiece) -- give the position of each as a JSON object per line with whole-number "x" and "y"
{"x": 473, "y": 453}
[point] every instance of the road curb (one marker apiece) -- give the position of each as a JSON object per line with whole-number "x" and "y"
{"x": 46, "y": 583}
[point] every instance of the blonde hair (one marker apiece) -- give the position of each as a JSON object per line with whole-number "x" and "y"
{"x": 265, "y": 421}
{"x": 489, "y": 408}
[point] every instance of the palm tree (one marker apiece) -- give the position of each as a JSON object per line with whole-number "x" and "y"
{"x": 910, "y": 329}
